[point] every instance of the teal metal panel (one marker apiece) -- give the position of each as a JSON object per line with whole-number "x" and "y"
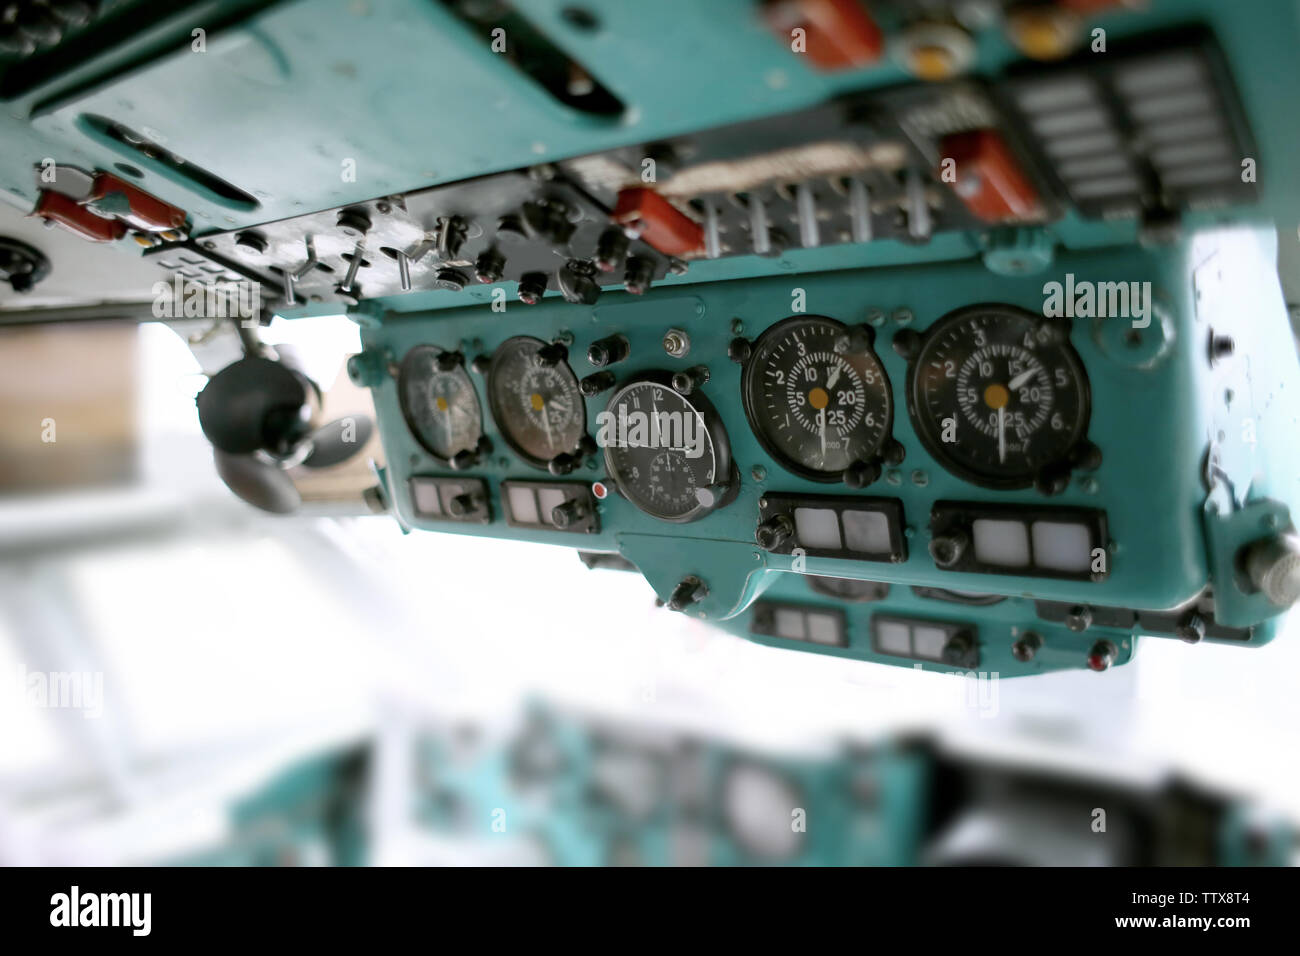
{"x": 284, "y": 95}
{"x": 1155, "y": 402}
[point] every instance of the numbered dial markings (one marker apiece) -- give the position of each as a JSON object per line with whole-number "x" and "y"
{"x": 667, "y": 453}
{"x": 816, "y": 403}
{"x": 998, "y": 395}
{"x": 439, "y": 402}
{"x": 535, "y": 400}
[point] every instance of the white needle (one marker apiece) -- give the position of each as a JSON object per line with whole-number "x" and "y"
{"x": 833, "y": 377}
{"x": 1002, "y": 433}
{"x": 1023, "y": 377}
{"x": 821, "y": 420}
{"x": 546, "y": 423}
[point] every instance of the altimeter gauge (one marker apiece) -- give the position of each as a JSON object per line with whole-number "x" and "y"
{"x": 818, "y": 400}
{"x": 1000, "y": 398}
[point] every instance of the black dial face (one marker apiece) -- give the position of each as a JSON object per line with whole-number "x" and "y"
{"x": 535, "y": 400}
{"x": 667, "y": 453}
{"x": 816, "y": 402}
{"x": 439, "y": 402}
{"x": 998, "y": 395}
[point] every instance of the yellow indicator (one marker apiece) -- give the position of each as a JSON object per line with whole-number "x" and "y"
{"x": 818, "y": 398}
{"x": 1043, "y": 34}
{"x": 441, "y": 403}
{"x": 931, "y": 62}
{"x": 537, "y": 402}
{"x": 996, "y": 396}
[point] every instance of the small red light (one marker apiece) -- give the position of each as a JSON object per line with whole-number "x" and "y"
{"x": 1098, "y": 662}
{"x": 599, "y": 490}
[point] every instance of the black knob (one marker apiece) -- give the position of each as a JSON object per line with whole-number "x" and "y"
{"x": 595, "y": 383}
{"x": 1191, "y": 629}
{"x": 639, "y": 274}
{"x": 774, "y": 532}
{"x": 859, "y": 474}
{"x": 856, "y": 338}
{"x": 1086, "y": 456}
{"x": 490, "y": 265}
{"x": 608, "y": 351}
{"x": 907, "y": 343}
{"x": 1079, "y": 618}
{"x": 452, "y": 232}
{"x": 463, "y": 505}
{"x": 548, "y": 221}
{"x": 690, "y": 379}
{"x": 690, "y": 591}
{"x": 739, "y": 350}
{"x": 510, "y": 229}
{"x": 532, "y": 286}
{"x": 1027, "y": 647}
{"x": 586, "y": 446}
{"x": 481, "y": 364}
{"x": 252, "y": 241}
{"x": 552, "y": 354}
{"x": 611, "y": 248}
{"x": 569, "y": 513}
{"x": 893, "y": 452}
{"x": 467, "y": 458}
{"x": 354, "y": 222}
{"x": 452, "y": 280}
{"x": 959, "y": 651}
{"x": 447, "y": 361}
{"x": 1101, "y": 656}
{"x": 562, "y": 464}
{"x": 947, "y": 549}
{"x": 1052, "y": 480}
{"x": 577, "y": 282}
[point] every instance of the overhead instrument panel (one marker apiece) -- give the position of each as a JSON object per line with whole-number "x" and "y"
{"x": 908, "y": 162}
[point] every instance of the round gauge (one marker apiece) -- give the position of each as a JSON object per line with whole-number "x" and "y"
{"x": 439, "y": 402}
{"x": 535, "y": 400}
{"x": 817, "y": 397}
{"x": 667, "y": 452}
{"x": 757, "y": 804}
{"x": 1000, "y": 398}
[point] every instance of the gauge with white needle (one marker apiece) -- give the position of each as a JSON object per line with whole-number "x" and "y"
{"x": 535, "y": 399}
{"x": 817, "y": 397}
{"x": 439, "y": 403}
{"x": 1000, "y": 398}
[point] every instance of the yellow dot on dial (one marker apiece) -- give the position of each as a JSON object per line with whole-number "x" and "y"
{"x": 536, "y": 400}
{"x": 441, "y": 403}
{"x": 818, "y": 398}
{"x": 996, "y": 396}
